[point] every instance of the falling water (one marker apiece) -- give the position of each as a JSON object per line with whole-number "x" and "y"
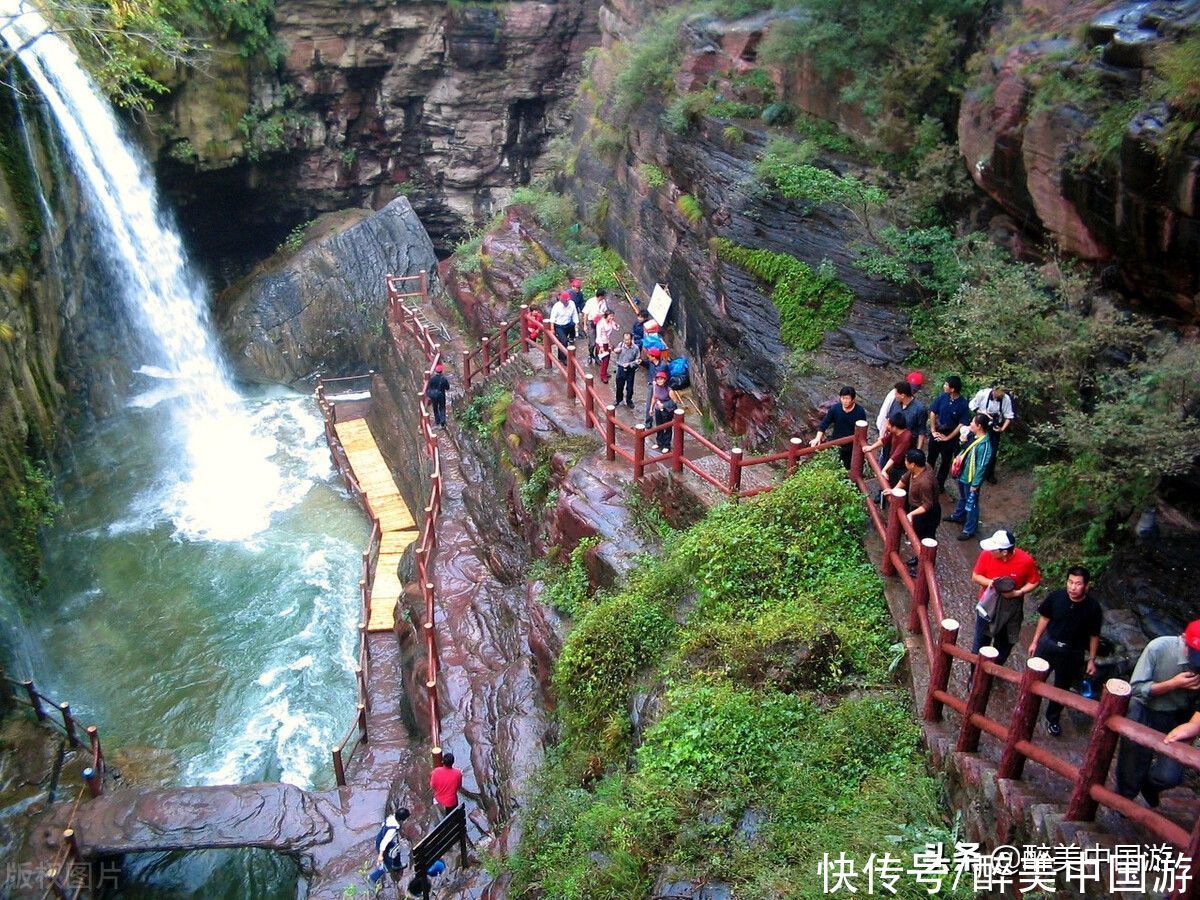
{"x": 228, "y": 490}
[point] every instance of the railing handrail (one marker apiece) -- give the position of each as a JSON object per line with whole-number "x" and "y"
{"x": 924, "y": 599}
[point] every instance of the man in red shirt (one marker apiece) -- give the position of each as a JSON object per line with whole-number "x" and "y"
{"x": 446, "y": 782}
{"x": 1002, "y": 558}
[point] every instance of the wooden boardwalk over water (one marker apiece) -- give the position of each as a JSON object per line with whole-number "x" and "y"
{"x": 396, "y": 524}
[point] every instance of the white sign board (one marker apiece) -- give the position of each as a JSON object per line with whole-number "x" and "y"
{"x": 660, "y": 303}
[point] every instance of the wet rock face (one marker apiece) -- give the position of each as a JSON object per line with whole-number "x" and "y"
{"x": 1134, "y": 211}
{"x": 455, "y": 102}
{"x": 318, "y": 311}
{"x": 723, "y": 316}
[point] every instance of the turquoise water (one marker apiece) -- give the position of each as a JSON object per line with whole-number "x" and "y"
{"x": 236, "y": 655}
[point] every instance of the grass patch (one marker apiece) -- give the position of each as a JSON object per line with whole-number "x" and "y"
{"x": 809, "y": 302}
{"x": 487, "y": 412}
{"x": 728, "y": 744}
{"x": 689, "y": 207}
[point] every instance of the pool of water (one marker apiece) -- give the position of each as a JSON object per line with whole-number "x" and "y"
{"x": 231, "y": 646}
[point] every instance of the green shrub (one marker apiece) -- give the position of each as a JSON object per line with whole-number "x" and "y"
{"x": 648, "y": 67}
{"x": 1178, "y": 67}
{"x": 689, "y": 207}
{"x": 487, "y": 412}
{"x": 554, "y": 212}
{"x": 733, "y": 135}
{"x": 569, "y": 588}
{"x": 926, "y": 259}
{"x": 34, "y": 509}
{"x": 468, "y": 256}
{"x": 728, "y": 738}
{"x": 543, "y": 281}
{"x": 809, "y": 303}
{"x": 295, "y": 238}
{"x": 654, "y": 177}
{"x": 784, "y": 168}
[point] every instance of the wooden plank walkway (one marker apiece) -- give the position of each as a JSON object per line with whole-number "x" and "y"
{"x": 396, "y": 524}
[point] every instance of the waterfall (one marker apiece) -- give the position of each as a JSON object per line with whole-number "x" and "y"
{"x": 227, "y": 488}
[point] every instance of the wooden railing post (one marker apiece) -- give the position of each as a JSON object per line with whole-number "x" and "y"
{"x": 424, "y": 284}
{"x": 547, "y": 341}
{"x": 677, "y": 441}
{"x": 895, "y": 530}
{"x": 977, "y": 700}
{"x": 362, "y": 721}
{"x": 92, "y": 779}
{"x": 926, "y": 566}
{"x": 466, "y": 370}
{"x": 1102, "y": 744}
{"x": 939, "y": 677}
{"x": 487, "y": 356}
{"x": 639, "y": 452}
{"x": 1024, "y": 717}
{"x": 503, "y": 342}
{"x": 589, "y": 392}
{"x": 571, "y": 373}
{"x": 856, "y": 450}
{"x": 610, "y": 433}
{"x": 794, "y": 446}
{"x": 72, "y": 842}
{"x": 69, "y": 723}
{"x": 734, "y": 486}
{"x": 339, "y": 767}
{"x": 34, "y": 700}
{"x": 93, "y": 734}
{"x": 524, "y": 323}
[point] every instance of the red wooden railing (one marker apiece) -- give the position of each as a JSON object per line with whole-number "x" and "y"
{"x": 405, "y": 320}
{"x": 924, "y": 613}
{"x": 1015, "y": 735}
{"x": 26, "y": 693}
{"x": 350, "y": 403}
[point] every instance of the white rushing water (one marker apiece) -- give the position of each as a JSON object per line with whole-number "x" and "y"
{"x": 206, "y": 561}
{"x": 228, "y": 489}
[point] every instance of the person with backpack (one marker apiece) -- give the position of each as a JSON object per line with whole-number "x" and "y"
{"x": 391, "y": 849}
{"x": 996, "y": 403}
{"x": 678, "y": 376}
{"x": 663, "y": 403}
{"x": 968, "y": 468}
{"x": 436, "y": 390}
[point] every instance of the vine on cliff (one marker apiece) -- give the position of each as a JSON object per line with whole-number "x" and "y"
{"x": 809, "y": 302}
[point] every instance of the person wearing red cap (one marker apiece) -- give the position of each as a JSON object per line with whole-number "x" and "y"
{"x": 914, "y": 380}
{"x": 1166, "y": 694}
{"x": 436, "y": 390}
{"x": 576, "y": 293}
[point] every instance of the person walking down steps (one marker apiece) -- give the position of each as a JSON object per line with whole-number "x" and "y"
{"x": 436, "y": 391}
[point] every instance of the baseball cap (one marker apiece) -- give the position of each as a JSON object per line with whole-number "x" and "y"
{"x": 1191, "y": 637}
{"x": 662, "y": 375}
{"x": 654, "y": 353}
{"x": 1001, "y": 540}
{"x": 916, "y": 379}
{"x": 439, "y": 368}
{"x": 575, "y": 282}
{"x": 564, "y": 295}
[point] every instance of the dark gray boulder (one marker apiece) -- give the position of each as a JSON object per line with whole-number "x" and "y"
{"x": 319, "y": 310}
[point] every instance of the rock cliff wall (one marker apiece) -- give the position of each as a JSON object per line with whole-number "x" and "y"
{"x": 450, "y": 104}
{"x": 1061, "y": 126}
{"x": 724, "y": 316}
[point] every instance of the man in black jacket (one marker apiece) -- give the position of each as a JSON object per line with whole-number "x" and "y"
{"x": 840, "y": 420}
{"x": 436, "y": 391}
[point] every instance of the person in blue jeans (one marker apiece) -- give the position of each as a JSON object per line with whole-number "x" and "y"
{"x": 975, "y": 457}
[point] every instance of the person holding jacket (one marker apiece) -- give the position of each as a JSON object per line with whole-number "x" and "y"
{"x": 563, "y": 317}
{"x": 975, "y": 458}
